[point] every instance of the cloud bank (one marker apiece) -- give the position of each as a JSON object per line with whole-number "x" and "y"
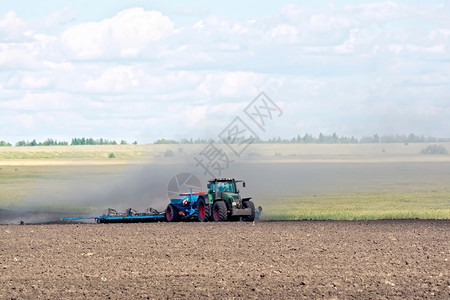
{"x": 381, "y": 67}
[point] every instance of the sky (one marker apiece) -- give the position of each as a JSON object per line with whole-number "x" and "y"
{"x": 145, "y": 70}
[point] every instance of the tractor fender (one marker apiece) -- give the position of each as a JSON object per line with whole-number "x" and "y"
{"x": 246, "y": 199}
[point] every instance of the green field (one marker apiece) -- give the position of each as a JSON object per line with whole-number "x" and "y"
{"x": 360, "y": 206}
{"x": 317, "y": 182}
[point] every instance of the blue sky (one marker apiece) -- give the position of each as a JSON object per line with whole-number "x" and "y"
{"x": 142, "y": 70}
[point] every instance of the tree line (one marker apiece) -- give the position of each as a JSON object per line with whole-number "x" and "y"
{"x": 321, "y": 139}
{"x": 91, "y": 141}
{"x": 74, "y": 142}
{"x": 299, "y": 139}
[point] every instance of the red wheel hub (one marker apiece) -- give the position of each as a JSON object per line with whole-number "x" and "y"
{"x": 216, "y": 213}
{"x": 201, "y": 211}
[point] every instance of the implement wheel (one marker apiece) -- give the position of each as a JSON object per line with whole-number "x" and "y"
{"x": 172, "y": 213}
{"x": 204, "y": 211}
{"x": 251, "y": 205}
{"x": 220, "y": 211}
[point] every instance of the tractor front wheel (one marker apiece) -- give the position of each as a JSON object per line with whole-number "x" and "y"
{"x": 220, "y": 211}
{"x": 251, "y": 205}
{"x": 204, "y": 212}
{"x": 172, "y": 213}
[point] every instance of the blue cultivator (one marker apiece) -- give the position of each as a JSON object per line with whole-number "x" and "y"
{"x": 112, "y": 216}
{"x": 130, "y": 216}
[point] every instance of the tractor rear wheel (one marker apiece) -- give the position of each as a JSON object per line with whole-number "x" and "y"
{"x": 220, "y": 211}
{"x": 251, "y": 205}
{"x": 172, "y": 213}
{"x": 204, "y": 212}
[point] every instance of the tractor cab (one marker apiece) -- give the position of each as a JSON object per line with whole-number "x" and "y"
{"x": 216, "y": 188}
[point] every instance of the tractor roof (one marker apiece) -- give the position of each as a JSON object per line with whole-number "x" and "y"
{"x": 221, "y": 179}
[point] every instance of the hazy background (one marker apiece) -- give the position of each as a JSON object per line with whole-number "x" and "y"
{"x": 143, "y": 70}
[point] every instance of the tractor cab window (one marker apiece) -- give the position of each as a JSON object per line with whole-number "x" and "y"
{"x": 225, "y": 186}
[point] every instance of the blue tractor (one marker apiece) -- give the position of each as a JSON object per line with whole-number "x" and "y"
{"x": 222, "y": 202}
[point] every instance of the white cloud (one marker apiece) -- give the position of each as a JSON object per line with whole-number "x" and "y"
{"x": 47, "y": 101}
{"x": 33, "y": 82}
{"x": 18, "y": 56}
{"x": 13, "y": 28}
{"x": 127, "y": 34}
{"x": 285, "y": 33}
{"x": 138, "y": 79}
{"x": 117, "y": 79}
{"x": 231, "y": 84}
{"x": 439, "y": 34}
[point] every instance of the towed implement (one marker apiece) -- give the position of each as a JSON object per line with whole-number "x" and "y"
{"x": 130, "y": 216}
{"x": 222, "y": 202}
{"x": 111, "y": 215}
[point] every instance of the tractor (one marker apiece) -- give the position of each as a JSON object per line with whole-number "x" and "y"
{"x": 222, "y": 202}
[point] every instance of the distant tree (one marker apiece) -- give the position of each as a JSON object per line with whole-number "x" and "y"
{"x": 123, "y": 142}
{"x": 321, "y": 138}
{"x": 49, "y": 142}
{"x": 335, "y": 138}
{"x": 434, "y": 149}
{"x": 164, "y": 141}
{"x": 376, "y": 138}
{"x": 5, "y": 144}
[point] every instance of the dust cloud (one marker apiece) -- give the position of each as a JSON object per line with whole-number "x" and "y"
{"x": 90, "y": 194}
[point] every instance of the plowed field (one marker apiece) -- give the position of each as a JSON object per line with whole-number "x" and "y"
{"x": 375, "y": 259}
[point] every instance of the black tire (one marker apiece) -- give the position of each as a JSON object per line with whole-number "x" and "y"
{"x": 172, "y": 213}
{"x": 251, "y": 205}
{"x": 203, "y": 211}
{"x": 220, "y": 211}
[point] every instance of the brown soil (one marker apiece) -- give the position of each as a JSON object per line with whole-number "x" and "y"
{"x": 379, "y": 259}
